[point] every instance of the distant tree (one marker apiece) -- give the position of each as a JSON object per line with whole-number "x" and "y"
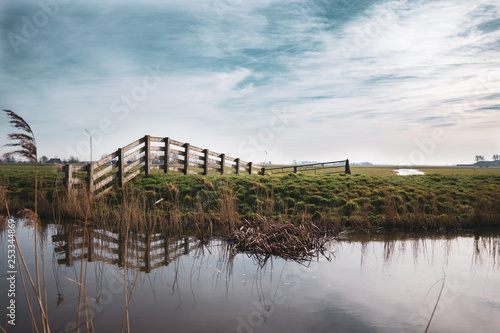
{"x": 479, "y": 158}
{"x": 496, "y": 157}
{"x": 44, "y": 159}
{"x": 73, "y": 160}
{"x": 9, "y": 159}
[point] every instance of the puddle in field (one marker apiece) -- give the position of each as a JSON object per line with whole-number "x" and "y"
{"x": 371, "y": 283}
{"x": 409, "y": 172}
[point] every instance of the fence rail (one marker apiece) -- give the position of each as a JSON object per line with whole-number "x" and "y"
{"x": 147, "y": 154}
{"x": 324, "y": 167}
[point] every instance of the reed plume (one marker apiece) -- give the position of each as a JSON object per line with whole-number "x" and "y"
{"x": 26, "y": 144}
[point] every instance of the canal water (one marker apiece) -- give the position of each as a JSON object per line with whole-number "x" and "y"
{"x": 381, "y": 282}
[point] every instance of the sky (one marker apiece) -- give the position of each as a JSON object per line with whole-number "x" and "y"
{"x": 388, "y": 82}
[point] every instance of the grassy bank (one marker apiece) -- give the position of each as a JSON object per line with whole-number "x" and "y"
{"x": 371, "y": 197}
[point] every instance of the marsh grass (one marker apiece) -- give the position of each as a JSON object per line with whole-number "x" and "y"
{"x": 209, "y": 205}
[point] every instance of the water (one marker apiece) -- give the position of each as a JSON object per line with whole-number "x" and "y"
{"x": 409, "y": 172}
{"x": 369, "y": 283}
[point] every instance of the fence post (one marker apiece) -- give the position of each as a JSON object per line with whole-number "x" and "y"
{"x": 68, "y": 176}
{"x": 90, "y": 178}
{"x": 295, "y": 169}
{"x": 263, "y": 171}
{"x": 186, "y": 158}
{"x": 121, "y": 167}
{"x": 250, "y": 167}
{"x": 222, "y": 163}
{"x": 237, "y": 161}
{"x": 347, "y": 167}
{"x": 205, "y": 161}
{"x": 166, "y": 161}
{"x": 147, "y": 155}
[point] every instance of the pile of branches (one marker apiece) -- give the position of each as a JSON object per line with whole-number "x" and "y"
{"x": 287, "y": 240}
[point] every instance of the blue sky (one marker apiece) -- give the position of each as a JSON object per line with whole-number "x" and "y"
{"x": 393, "y": 82}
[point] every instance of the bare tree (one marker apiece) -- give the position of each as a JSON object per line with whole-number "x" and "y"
{"x": 479, "y": 158}
{"x": 496, "y": 157}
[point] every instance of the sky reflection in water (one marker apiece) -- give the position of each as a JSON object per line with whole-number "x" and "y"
{"x": 377, "y": 283}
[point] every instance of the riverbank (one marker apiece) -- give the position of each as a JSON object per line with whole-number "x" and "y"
{"x": 332, "y": 202}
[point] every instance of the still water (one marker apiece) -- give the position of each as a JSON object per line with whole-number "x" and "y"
{"x": 387, "y": 282}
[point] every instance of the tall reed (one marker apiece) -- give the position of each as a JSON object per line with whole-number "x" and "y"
{"x": 26, "y": 147}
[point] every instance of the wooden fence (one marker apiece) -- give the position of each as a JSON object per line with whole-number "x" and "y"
{"x": 147, "y": 154}
{"x": 324, "y": 168}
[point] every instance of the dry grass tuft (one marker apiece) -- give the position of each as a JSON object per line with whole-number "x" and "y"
{"x": 32, "y": 219}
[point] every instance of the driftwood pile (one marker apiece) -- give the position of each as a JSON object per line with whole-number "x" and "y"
{"x": 287, "y": 240}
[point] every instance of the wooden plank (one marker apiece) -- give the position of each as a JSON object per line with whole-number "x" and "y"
{"x": 133, "y": 164}
{"x": 133, "y": 144}
{"x": 156, "y": 139}
{"x": 105, "y": 159}
{"x": 105, "y": 182}
{"x": 176, "y": 143}
{"x": 166, "y": 156}
{"x": 134, "y": 174}
{"x": 80, "y": 169}
{"x": 205, "y": 161}
{"x": 157, "y": 148}
{"x": 222, "y": 163}
{"x": 68, "y": 170}
{"x": 177, "y": 152}
{"x": 230, "y": 159}
{"x": 196, "y": 165}
{"x": 197, "y": 157}
{"x": 186, "y": 158}
{"x": 147, "y": 154}
{"x": 104, "y": 171}
{"x": 211, "y": 153}
{"x": 135, "y": 154}
{"x": 90, "y": 178}
{"x": 79, "y": 181}
{"x": 121, "y": 167}
{"x": 198, "y": 149}
{"x": 211, "y": 160}
{"x": 174, "y": 160}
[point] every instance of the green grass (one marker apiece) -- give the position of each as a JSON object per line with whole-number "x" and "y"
{"x": 415, "y": 202}
{"x": 19, "y": 182}
{"x": 370, "y": 197}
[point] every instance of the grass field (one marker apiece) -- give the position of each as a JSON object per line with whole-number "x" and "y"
{"x": 370, "y": 197}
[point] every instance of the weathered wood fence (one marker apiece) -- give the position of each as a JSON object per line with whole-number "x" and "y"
{"x": 147, "y": 154}
{"x": 142, "y": 251}
{"x": 324, "y": 168}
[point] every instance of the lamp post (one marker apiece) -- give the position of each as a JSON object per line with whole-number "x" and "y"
{"x": 91, "y": 161}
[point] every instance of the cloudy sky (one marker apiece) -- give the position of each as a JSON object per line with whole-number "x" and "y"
{"x": 393, "y": 82}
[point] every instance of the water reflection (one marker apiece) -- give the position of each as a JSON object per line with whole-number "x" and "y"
{"x": 370, "y": 282}
{"x": 145, "y": 251}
